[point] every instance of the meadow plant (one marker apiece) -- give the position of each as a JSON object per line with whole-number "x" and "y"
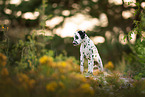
{"x": 109, "y": 65}
{"x": 29, "y": 69}
{"x": 61, "y": 78}
{"x": 136, "y": 60}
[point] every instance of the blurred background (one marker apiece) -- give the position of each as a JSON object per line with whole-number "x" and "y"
{"x": 106, "y": 22}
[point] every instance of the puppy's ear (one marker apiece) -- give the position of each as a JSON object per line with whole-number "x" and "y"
{"x": 82, "y": 34}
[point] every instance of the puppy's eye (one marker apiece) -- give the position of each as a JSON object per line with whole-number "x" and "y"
{"x": 76, "y": 37}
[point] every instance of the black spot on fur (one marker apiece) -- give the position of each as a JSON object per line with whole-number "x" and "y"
{"x": 82, "y": 34}
{"x": 76, "y": 37}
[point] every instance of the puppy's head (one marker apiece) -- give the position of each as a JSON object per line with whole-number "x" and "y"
{"x": 78, "y": 37}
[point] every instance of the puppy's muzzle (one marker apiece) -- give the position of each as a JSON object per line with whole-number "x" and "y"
{"x": 75, "y": 43}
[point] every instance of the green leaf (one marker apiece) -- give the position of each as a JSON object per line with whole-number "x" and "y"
{"x": 130, "y": 3}
{"x": 124, "y": 37}
{"x": 137, "y": 4}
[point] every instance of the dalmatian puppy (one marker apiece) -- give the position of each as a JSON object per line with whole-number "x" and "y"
{"x": 88, "y": 50}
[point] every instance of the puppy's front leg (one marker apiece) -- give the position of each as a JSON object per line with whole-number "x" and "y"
{"x": 82, "y": 63}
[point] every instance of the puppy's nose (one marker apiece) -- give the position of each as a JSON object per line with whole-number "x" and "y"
{"x": 74, "y": 42}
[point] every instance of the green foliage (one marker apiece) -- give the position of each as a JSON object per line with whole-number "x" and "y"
{"x": 42, "y": 66}
{"x": 130, "y": 3}
{"x": 139, "y": 76}
{"x": 136, "y": 59}
{"x": 114, "y": 81}
{"x": 43, "y": 17}
{"x": 140, "y": 49}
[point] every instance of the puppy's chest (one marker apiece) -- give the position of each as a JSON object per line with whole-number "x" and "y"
{"x": 87, "y": 50}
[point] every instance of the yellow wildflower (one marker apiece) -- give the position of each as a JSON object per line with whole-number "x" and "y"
{"x": 3, "y": 27}
{"x": 61, "y": 64}
{"x": 78, "y": 76}
{"x": 109, "y": 65}
{"x": 64, "y": 67}
{"x": 4, "y": 72}
{"x": 51, "y": 86}
{"x": 86, "y": 88}
{"x": 3, "y": 59}
{"x": 69, "y": 67}
{"x": 69, "y": 60}
{"x": 23, "y": 77}
{"x": 46, "y": 60}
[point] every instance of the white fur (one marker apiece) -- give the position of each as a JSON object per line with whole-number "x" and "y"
{"x": 88, "y": 50}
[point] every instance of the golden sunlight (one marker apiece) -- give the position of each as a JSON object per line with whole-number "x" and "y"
{"x": 16, "y": 2}
{"x": 7, "y": 11}
{"x": 72, "y": 24}
{"x": 18, "y": 13}
{"x": 133, "y": 35}
{"x": 98, "y": 39}
{"x": 127, "y": 14}
{"x": 103, "y": 20}
{"x": 108, "y": 35}
{"x": 95, "y": 0}
{"x": 54, "y": 21}
{"x": 143, "y": 4}
{"x": 116, "y": 2}
{"x": 30, "y": 15}
{"x": 66, "y": 12}
{"x": 131, "y": 1}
